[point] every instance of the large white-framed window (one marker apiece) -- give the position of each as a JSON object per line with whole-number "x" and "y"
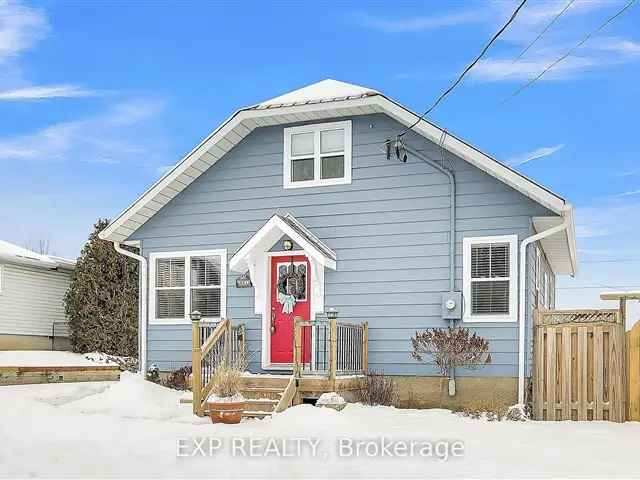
{"x": 490, "y": 278}
{"x": 181, "y": 282}
{"x": 318, "y": 154}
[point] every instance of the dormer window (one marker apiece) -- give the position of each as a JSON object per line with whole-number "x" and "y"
{"x": 316, "y": 155}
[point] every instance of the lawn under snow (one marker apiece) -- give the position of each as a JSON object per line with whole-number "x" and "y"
{"x": 47, "y": 358}
{"x": 131, "y": 428}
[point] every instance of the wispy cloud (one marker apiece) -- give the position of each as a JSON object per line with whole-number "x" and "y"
{"x": 417, "y": 23}
{"x": 46, "y": 91}
{"x": 628, "y": 193}
{"x": 20, "y": 28}
{"x": 534, "y": 155}
{"x": 104, "y": 138}
{"x": 500, "y": 70}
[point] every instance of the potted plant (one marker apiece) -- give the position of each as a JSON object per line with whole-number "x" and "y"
{"x": 226, "y": 403}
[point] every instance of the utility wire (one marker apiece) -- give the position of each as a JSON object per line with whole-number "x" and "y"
{"x": 549, "y": 25}
{"x": 569, "y": 52}
{"x": 466, "y": 70}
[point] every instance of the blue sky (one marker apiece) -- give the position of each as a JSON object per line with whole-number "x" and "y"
{"x": 97, "y": 97}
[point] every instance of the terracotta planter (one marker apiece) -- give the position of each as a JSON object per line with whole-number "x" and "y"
{"x": 223, "y": 412}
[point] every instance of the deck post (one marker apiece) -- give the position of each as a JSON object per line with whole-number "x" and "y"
{"x": 196, "y": 368}
{"x": 333, "y": 333}
{"x": 297, "y": 346}
{"x": 365, "y": 348}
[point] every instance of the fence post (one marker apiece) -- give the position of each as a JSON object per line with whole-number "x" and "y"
{"x": 365, "y": 348}
{"x": 196, "y": 367}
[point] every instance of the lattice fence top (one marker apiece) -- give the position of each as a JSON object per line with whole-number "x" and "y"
{"x": 559, "y": 317}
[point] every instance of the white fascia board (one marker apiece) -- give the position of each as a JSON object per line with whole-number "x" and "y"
{"x": 264, "y": 239}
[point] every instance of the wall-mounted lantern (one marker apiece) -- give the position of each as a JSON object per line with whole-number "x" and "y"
{"x": 332, "y": 313}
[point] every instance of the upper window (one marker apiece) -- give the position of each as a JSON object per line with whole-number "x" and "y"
{"x": 187, "y": 281}
{"x": 490, "y": 279}
{"x": 317, "y": 155}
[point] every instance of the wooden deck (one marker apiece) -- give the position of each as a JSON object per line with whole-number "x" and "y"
{"x": 19, "y": 375}
{"x": 328, "y": 356}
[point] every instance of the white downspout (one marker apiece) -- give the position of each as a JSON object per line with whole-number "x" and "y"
{"x": 522, "y": 291}
{"x": 142, "y": 317}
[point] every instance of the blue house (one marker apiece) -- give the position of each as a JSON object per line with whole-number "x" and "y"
{"x": 322, "y": 203}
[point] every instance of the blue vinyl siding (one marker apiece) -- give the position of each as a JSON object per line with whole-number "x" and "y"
{"x": 389, "y": 229}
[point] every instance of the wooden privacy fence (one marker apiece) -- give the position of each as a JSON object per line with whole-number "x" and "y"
{"x": 633, "y": 373}
{"x": 579, "y": 365}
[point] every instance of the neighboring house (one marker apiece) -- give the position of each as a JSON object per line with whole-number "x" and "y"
{"x": 32, "y": 288}
{"x": 371, "y": 234}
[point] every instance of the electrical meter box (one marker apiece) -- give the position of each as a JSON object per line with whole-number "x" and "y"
{"x": 452, "y": 305}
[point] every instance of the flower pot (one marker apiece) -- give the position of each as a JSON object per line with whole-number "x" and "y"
{"x": 226, "y": 412}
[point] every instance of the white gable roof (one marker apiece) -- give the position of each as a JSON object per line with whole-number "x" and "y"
{"x": 320, "y": 101}
{"x": 325, "y": 90}
{"x": 11, "y": 253}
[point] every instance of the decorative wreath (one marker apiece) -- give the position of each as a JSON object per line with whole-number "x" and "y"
{"x": 292, "y": 283}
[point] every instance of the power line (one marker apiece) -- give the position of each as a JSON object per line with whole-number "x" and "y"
{"x": 549, "y": 25}
{"x": 466, "y": 70}
{"x": 583, "y": 287}
{"x": 570, "y": 51}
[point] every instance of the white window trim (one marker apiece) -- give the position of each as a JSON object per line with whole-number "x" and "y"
{"x": 512, "y": 240}
{"x": 187, "y": 285}
{"x": 316, "y": 129}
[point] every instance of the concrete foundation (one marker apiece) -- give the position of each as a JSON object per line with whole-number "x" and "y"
{"x": 471, "y": 392}
{"x": 33, "y": 342}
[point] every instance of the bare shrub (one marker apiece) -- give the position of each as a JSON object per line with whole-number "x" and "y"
{"x": 450, "y": 348}
{"x": 378, "y": 390}
{"x": 178, "y": 379}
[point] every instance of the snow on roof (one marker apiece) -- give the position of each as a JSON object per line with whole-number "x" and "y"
{"x": 325, "y": 90}
{"x": 14, "y": 254}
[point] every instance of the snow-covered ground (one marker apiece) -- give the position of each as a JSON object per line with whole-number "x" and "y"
{"x": 40, "y": 358}
{"x": 133, "y": 428}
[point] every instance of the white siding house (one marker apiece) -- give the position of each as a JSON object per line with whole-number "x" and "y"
{"x": 32, "y": 288}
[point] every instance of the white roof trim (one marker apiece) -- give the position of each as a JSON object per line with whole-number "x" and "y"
{"x": 243, "y": 122}
{"x": 560, "y": 248}
{"x": 271, "y": 232}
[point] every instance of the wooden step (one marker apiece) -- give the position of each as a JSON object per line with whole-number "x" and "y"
{"x": 255, "y": 414}
{"x": 272, "y": 393}
{"x": 261, "y": 405}
{"x": 265, "y": 381}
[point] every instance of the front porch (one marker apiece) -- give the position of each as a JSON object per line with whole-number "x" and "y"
{"x": 328, "y": 356}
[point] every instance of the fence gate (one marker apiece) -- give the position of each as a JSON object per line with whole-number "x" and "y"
{"x": 633, "y": 373}
{"x": 579, "y": 365}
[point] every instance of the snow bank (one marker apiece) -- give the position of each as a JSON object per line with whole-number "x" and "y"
{"x": 131, "y": 429}
{"x": 46, "y": 358}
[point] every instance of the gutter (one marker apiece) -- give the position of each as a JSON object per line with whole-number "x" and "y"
{"x": 567, "y": 224}
{"x": 142, "y": 315}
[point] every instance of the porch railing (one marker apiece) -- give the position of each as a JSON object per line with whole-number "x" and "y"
{"x": 329, "y": 348}
{"x": 212, "y": 345}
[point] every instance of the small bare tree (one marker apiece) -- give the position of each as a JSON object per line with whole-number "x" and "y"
{"x": 450, "y": 348}
{"x": 41, "y": 246}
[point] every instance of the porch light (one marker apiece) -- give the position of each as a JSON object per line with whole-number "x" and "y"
{"x": 332, "y": 313}
{"x": 287, "y": 244}
{"x": 196, "y": 316}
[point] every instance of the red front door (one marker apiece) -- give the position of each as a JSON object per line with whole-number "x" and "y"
{"x": 290, "y": 275}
